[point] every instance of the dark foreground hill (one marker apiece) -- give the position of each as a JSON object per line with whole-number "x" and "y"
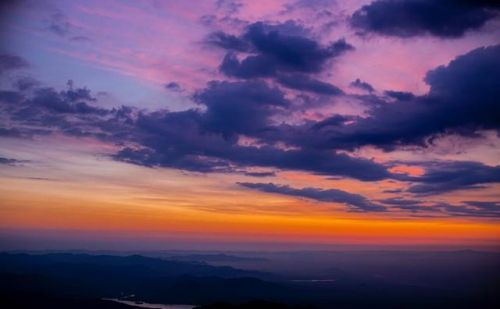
{"x": 82, "y": 281}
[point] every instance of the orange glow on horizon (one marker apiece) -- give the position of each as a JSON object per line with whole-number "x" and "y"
{"x": 206, "y": 218}
{"x": 109, "y": 197}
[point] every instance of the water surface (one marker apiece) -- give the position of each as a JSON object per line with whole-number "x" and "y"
{"x": 148, "y": 305}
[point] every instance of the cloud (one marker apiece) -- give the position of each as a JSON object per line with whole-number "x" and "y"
{"x": 188, "y": 140}
{"x": 399, "y": 95}
{"x": 464, "y": 209}
{"x": 202, "y": 140}
{"x": 43, "y": 110}
{"x": 228, "y": 6}
{"x": 459, "y": 210}
{"x": 409, "y": 18}
{"x": 10, "y": 96}
{"x": 25, "y": 83}
{"x": 173, "y": 86}
{"x": 207, "y": 140}
{"x": 10, "y": 162}
{"x": 10, "y": 62}
{"x": 180, "y": 140}
{"x": 279, "y": 48}
{"x": 399, "y": 201}
{"x": 360, "y": 203}
{"x": 462, "y": 100}
{"x": 441, "y": 177}
{"x": 485, "y": 205}
{"x": 453, "y": 104}
{"x": 10, "y": 132}
{"x": 406, "y": 204}
{"x": 239, "y": 107}
{"x": 470, "y": 210}
{"x": 355, "y": 202}
{"x": 228, "y": 41}
{"x": 362, "y": 85}
{"x": 306, "y": 83}
{"x": 260, "y": 174}
{"x": 72, "y": 101}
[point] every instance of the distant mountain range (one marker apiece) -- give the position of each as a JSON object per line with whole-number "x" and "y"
{"x": 82, "y": 281}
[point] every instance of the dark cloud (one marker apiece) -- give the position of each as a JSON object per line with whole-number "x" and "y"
{"x": 441, "y": 177}
{"x": 206, "y": 140}
{"x": 469, "y": 210}
{"x": 228, "y": 41}
{"x": 9, "y": 4}
{"x": 465, "y": 209}
{"x": 239, "y": 107}
{"x": 72, "y": 101}
{"x": 8, "y": 161}
{"x": 10, "y": 132}
{"x": 203, "y": 140}
{"x": 463, "y": 98}
{"x": 334, "y": 121}
{"x": 399, "y": 95}
{"x": 413, "y": 206}
{"x": 408, "y": 18}
{"x": 274, "y": 49}
{"x": 306, "y": 83}
{"x": 45, "y": 111}
{"x": 355, "y": 202}
{"x": 399, "y": 201}
{"x": 287, "y": 28}
{"x": 25, "y": 83}
{"x": 10, "y": 62}
{"x": 173, "y": 86}
{"x": 250, "y": 67}
{"x": 12, "y": 97}
{"x": 485, "y": 205}
{"x": 360, "y": 203}
{"x": 260, "y": 174}
{"x": 180, "y": 140}
{"x": 362, "y": 85}
{"x": 317, "y": 162}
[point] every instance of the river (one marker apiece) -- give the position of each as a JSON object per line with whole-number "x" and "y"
{"x": 148, "y": 305}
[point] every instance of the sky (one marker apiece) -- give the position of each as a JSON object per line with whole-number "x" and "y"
{"x": 258, "y": 125}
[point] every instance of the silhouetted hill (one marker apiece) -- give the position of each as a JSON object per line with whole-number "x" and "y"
{"x": 133, "y": 265}
{"x": 220, "y": 257}
{"x": 80, "y": 280}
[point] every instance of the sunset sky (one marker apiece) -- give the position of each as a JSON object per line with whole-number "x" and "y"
{"x": 228, "y": 124}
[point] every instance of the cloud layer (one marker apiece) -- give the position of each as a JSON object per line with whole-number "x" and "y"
{"x": 409, "y": 18}
{"x": 272, "y": 99}
{"x": 355, "y": 201}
